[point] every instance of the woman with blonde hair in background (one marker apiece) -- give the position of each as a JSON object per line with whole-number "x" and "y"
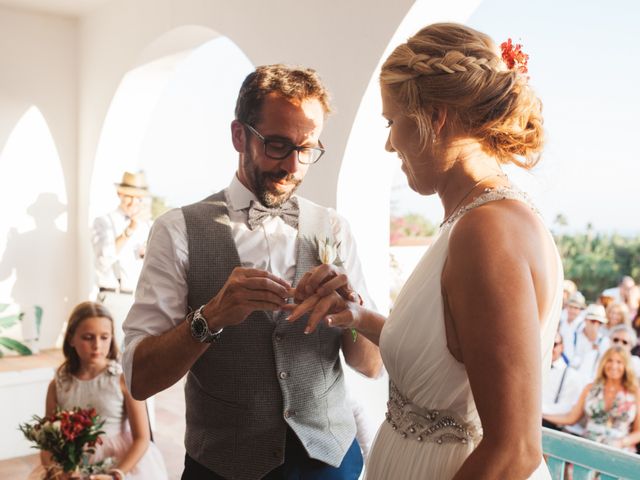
{"x": 610, "y": 404}
{"x": 472, "y": 329}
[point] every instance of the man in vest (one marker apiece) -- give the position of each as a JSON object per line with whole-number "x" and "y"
{"x": 263, "y": 399}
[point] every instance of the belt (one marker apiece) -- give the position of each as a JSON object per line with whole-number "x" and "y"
{"x": 116, "y": 290}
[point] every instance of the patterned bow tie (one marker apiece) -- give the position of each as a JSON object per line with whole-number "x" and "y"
{"x": 288, "y": 211}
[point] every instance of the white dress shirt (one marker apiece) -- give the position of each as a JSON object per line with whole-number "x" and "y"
{"x": 118, "y": 269}
{"x": 588, "y": 354}
{"x": 557, "y": 399}
{"x": 568, "y": 332}
{"x": 161, "y": 295}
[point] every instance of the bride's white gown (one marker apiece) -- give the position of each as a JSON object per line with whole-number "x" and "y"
{"x": 432, "y": 423}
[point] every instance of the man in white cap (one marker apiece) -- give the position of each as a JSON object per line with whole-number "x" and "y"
{"x": 590, "y": 342}
{"x": 119, "y": 241}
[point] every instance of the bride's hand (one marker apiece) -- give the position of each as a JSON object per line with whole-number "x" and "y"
{"x": 332, "y": 308}
{"x": 323, "y": 280}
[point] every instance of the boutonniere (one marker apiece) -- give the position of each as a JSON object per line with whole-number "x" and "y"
{"x": 329, "y": 254}
{"x": 328, "y": 251}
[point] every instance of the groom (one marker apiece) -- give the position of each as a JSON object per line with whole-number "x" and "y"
{"x": 263, "y": 399}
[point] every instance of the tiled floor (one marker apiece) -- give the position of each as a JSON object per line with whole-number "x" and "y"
{"x": 168, "y": 435}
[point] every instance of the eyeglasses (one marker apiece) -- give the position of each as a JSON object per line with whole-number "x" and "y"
{"x": 279, "y": 149}
{"x": 620, "y": 340}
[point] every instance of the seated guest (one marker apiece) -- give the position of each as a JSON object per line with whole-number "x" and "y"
{"x": 590, "y": 342}
{"x": 610, "y": 404}
{"x": 571, "y": 321}
{"x": 625, "y": 337}
{"x": 617, "y": 314}
{"x": 563, "y": 385}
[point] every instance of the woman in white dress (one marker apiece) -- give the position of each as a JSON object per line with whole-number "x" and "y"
{"x": 472, "y": 330}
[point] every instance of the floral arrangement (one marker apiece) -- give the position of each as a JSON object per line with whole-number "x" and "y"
{"x": 70, "y": 436}
{"x": 514, "y": 57}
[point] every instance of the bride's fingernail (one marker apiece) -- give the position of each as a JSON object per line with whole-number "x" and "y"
{"x": 329, "y": 320}
{"x": 307, "y": 331}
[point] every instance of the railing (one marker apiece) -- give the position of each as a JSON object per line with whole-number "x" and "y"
{"x": 587, "y": 458}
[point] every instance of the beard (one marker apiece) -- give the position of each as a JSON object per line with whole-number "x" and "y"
{"x": 259, "y": 181}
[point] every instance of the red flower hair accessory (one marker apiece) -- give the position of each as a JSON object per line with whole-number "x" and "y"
{"x": 514, "y": 57}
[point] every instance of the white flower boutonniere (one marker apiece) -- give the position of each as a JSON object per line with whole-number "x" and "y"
{"x": 329, "y": 254}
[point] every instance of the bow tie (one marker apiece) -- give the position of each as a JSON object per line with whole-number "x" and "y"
{"x": 288, "y": 211}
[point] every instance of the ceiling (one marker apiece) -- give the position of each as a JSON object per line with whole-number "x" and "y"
{"x": 68, "y": 8}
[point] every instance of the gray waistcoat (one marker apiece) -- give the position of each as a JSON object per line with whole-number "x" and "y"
{"x": 262, "y": 374}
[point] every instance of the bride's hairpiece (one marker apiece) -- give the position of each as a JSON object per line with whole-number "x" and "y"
{"x": 514, "y": 57}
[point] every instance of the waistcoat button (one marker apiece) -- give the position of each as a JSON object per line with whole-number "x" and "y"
{"x": 284, "y": 375}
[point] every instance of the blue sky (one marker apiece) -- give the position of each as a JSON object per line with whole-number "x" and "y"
{"x": 584, "y": 65}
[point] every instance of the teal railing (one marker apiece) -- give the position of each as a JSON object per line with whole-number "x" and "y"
{"x": 587, "y": 457}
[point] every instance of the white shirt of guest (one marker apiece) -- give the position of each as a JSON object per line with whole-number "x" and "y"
{"x": 588, "y": 354}
{"x": 161, "y": 295}
{"x": 557, "y": 398}
{"x": 118, "y": 269}
{"x": 568, "y": 332}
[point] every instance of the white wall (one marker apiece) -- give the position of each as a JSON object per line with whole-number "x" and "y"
{"x": 38, "y": 58}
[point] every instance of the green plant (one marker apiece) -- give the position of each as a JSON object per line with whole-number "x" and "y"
{"x": 8, "y": 321}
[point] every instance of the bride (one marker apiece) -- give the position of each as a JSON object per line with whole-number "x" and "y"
{"x": 472, "y": 330}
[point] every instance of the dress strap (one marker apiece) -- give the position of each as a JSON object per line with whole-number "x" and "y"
{"x": 492, "y": 195}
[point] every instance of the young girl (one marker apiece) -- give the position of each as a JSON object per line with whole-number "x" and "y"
{"x": 90, "y": 376}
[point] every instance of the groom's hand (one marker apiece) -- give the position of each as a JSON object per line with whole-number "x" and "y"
{"x": 246, "y": 290}
{"x": 323, "y": 280}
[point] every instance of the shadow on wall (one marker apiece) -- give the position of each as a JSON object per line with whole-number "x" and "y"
{"x": 32, "y": 258}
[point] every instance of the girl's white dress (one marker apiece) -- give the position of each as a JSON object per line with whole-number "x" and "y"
{"x": 104, "y": 394}
{"x": 432, "y": 421}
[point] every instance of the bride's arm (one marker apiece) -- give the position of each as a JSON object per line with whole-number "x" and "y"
{"x": 495, "y": 281}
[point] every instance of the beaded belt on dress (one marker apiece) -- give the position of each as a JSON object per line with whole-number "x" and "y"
{"x": 423, "y": 425}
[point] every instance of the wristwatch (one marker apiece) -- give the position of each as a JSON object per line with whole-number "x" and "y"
{"x": 200, "y": 328}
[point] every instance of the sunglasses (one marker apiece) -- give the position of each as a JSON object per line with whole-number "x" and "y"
{"x": 620, "y": 340}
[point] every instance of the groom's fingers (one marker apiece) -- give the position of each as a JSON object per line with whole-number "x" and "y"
{"x": 303, "y": 308}
{"x": 338, "y": 283}
{"x": 320, "y": 311}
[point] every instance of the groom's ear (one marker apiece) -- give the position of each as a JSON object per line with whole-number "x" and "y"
{"x": 238, "y": 136}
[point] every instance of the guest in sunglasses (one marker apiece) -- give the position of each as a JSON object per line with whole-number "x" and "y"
{"x": 625, "y": 337}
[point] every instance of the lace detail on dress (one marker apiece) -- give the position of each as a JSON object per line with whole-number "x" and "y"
{"x": 423, "y": 425}
{"x": 491, "y": 195}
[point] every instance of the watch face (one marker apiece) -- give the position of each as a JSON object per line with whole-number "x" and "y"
{"x": 198, "y": 327}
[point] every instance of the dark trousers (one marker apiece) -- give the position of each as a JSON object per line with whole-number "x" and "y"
{"x": 297, "y": 465}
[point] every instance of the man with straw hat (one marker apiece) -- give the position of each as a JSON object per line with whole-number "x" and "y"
{"x": 119, "y": 241}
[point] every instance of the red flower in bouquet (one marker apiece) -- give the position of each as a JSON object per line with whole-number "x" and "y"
{"x": 69, "y": 435}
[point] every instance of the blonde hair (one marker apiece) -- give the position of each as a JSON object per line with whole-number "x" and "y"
{"x": 629, "y": 380}
{"x": 620, "y": 308}
{"x": 451, "y": 66}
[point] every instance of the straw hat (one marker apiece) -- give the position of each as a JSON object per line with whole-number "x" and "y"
{"x": 577, "y": 300}
{"x": 133, "y": 184}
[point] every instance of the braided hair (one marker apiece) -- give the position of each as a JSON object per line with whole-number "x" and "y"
{"x": 455, "y": 67}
